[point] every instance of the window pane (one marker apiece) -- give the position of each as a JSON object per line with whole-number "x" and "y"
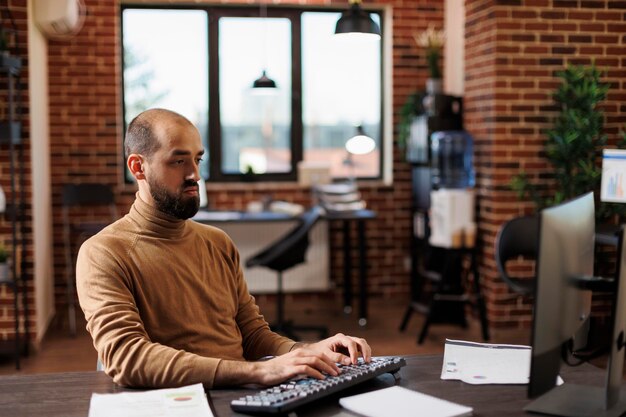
{"x": 256, "y": 128}
{"x": 341, "y": 88}
{"x": 166, "y": 65}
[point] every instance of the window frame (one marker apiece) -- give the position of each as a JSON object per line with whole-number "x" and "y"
{"x": 293, "y": 13}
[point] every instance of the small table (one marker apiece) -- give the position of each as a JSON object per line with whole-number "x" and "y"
{"x": 358, "y": 216}
{"x": 448, "y": 287}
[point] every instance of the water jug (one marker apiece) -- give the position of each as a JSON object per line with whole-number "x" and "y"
{"x": 452, "y": 159}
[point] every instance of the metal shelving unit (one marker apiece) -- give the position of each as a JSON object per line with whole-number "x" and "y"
{"x": 11, "y": 135}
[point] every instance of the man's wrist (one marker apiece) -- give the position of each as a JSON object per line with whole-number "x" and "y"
{"x": 231, "y": 373}
{"x": 298, "y": 345}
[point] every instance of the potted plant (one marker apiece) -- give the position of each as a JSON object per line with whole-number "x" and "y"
{"x": 432, "y": 41}
{"x": 574, "y": 145}
{"x": 4, "y": 263}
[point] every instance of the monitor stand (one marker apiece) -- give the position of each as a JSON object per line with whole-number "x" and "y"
{"x": 571, "y": 400}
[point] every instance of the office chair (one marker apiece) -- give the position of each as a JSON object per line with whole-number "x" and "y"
{"x": 281, "y": 255}
{"x": 518, "y": 237}
{"x": 78, "y": 197}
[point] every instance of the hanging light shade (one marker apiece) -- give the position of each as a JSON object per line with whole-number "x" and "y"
{"x": 264, "y": 82}
{"x": 360, "y": 144}
{"x": 356, "y": 20}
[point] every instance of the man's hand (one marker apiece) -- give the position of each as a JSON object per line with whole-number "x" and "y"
{"x": 337, "y": 346}
{"x": 312, "y": 360}
{"x": 303, "y": 361}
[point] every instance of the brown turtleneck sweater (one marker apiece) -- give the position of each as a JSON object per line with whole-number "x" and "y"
{"x": 165, "y": 301}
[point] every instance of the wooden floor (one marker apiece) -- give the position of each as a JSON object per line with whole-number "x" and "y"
{"x": 61, "y": 353}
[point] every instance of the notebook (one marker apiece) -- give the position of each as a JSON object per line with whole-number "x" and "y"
{"x": 402, "y": 402}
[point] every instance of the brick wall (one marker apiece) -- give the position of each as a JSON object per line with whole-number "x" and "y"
{"x": 18, "y": 12}
{"x": 513, "y": 49}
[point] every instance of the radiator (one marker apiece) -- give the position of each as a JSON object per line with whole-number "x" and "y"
{"x": 251, "y": 237}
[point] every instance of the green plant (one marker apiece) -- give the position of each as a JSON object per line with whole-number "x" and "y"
{"x": 574, "y": 145}
{"x": 432, "y": 41}
{"x": 413, "y": 107}
{"x": 4, "y": 254}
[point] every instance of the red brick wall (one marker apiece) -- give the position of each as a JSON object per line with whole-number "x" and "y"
{"x": 513, "y": 49}
{"x": 18, "y": 12}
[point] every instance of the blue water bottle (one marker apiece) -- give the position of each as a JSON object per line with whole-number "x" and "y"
{"x": 452, "y": 159}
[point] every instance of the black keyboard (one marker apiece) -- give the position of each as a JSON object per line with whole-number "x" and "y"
{"x": 296, "y": 392}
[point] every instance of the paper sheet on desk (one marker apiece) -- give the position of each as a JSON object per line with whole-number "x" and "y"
{"x": 189, "y": 401}
{"x": 484, "y": 363}
{"x": 402, "y": 402}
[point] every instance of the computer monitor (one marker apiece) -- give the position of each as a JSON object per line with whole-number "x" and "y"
{"x": 613, "y": 189}
{"x": 561, "y": 313}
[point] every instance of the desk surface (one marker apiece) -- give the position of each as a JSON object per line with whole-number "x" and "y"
{"x": 68, "y": 394}
{"x": 205, "y": 216}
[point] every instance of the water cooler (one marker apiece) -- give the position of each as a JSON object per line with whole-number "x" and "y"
{"x": 443, "y": 229}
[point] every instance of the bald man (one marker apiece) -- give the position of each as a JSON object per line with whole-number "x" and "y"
{"x": 164, "y": 297}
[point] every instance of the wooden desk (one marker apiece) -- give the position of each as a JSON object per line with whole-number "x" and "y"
{"x": 68, "y": 394}
{"x": 358, "y": 216}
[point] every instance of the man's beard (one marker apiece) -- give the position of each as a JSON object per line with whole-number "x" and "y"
{"x": 179, "y": 206}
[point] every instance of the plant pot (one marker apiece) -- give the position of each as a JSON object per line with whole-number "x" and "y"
{"x": 434, "y": 86}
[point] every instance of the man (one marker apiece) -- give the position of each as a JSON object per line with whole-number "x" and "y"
{"x": 164, "y": 297}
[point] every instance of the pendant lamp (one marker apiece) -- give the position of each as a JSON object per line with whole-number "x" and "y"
{"x": 264, "y": 82}
{"x": 356, "y": 20}
{"x": 360, "y": 144}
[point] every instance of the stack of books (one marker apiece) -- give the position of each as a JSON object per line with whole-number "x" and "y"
{"x": 339, "y": 197}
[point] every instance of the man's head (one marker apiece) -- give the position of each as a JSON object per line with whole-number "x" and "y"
{"x": 163, "y": 151}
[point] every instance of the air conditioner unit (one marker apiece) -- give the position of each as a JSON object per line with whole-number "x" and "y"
{"x": 59, "y": 18}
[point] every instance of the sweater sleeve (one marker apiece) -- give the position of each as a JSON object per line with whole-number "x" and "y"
{"x": 258, "y": 339}
{"x": 129, "y": 356}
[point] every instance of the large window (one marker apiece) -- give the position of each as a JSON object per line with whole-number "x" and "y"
{"x": 202, "y": 62}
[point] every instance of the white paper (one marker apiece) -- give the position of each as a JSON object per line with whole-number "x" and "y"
{"x": 402, "y": 402}
{"x": 484, "y": 363}
{"x": 189, "y": 401}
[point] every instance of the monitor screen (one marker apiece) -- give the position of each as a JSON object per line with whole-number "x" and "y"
{"x": 561, "y": 312}
{"x": 613, "y": 176}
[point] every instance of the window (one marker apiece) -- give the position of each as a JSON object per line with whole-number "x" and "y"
{"x": 157, "y": 72}
{"x": 326, "y": 87}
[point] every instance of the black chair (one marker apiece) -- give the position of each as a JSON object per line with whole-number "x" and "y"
{"x": 281, "y": 255}
{"x": 75, "y": 199}
{"x": 519, "y": 237}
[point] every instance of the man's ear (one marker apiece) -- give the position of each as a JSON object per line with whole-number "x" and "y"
{"x": 135, "y": 165}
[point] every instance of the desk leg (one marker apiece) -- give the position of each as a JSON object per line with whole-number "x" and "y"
{"x": 347, "y": 269}
{"x": 362, "y": 274}
{"x": 480, "y": 301}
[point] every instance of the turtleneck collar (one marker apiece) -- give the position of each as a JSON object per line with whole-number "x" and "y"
{"x": 153, "y": 221}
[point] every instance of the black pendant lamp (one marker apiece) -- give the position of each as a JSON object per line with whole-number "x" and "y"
{"x": 264, "y": 82}
{"x": 356, "y": 20}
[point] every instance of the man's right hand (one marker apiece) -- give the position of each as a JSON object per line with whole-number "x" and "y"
{"x": 302, "y": 361}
